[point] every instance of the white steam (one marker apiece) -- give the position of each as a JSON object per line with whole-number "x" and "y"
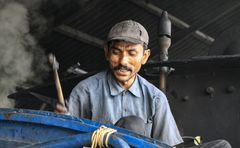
{"x": 18, "y": 50}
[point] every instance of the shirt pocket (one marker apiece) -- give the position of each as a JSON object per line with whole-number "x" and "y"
{"x": 148, "y": 128}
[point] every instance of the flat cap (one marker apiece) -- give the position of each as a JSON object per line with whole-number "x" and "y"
{"x": 130, "y": 31}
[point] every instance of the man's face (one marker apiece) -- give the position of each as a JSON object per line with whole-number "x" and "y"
{"x": 125, "y": 60}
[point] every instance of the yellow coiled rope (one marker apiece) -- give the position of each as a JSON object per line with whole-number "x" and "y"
{"x": 99, "y": 134}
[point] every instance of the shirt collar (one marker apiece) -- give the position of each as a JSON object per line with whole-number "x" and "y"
{"x": 116, "y": 89}
{"x": 135, "y": 89}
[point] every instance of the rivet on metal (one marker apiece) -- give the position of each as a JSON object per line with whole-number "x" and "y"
{"x": 185, "y": 98}
{"x": 230, "y": 89}
{"x": 210, "y": 91}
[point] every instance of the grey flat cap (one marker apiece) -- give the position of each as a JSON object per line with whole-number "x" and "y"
{"x": 129, "y": 31}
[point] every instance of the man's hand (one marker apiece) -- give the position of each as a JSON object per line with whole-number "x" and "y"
{"x": 59, "y": 108}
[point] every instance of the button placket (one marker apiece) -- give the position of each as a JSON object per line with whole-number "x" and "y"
{"x": 124, "y": 103}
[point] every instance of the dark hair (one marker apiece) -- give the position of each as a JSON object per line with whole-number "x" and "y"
{"x": 110, "y": 44}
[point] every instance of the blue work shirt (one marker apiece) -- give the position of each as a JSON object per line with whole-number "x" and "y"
{"x": 101, "y": 98}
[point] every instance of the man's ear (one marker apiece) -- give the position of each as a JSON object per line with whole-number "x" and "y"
{"x": 146, "y": 55}
{"x": 106, "y": 51}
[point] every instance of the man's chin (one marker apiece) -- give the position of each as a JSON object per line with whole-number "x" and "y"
{"x": 122, "y": 79}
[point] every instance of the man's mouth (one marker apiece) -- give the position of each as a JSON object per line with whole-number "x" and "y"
{"x": 122, "y": 71}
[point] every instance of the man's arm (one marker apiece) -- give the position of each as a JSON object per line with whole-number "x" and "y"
{"x": 79, "y": 102}
{"x": 78, "y": 105}
{"x": 164, "y": 126}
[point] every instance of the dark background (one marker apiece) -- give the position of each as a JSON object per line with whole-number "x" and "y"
{"x": 203, "y": 92}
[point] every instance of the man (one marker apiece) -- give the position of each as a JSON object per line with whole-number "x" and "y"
{"x": 120, "y": 91}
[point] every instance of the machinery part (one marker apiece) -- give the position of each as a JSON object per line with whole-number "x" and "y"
{"x": 227, "y": 43}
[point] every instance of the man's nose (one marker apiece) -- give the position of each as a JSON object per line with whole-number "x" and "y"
{"x": 124, "y": 60}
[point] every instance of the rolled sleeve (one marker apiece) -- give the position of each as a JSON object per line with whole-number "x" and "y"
{"x": 79, "y": 105}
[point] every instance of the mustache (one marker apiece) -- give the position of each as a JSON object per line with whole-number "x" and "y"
{"x": 122, "y": 67}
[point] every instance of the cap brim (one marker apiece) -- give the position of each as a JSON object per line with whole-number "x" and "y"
{"x": 127, "y": 39}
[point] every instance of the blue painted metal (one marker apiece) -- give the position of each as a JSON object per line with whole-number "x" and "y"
{"x": 31, "y": 128}
{"x": 77, "y": 141}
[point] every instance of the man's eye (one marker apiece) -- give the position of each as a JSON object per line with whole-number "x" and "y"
{"x": 115, "y": 51}
{"x": 132, "y": 53}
